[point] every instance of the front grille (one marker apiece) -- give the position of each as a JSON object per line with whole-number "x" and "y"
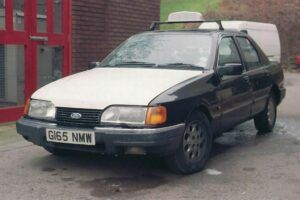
{"x": 89, "y": 117}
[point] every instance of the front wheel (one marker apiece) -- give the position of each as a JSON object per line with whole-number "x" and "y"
{"x": 265, "y": 121}
{"x": 195, "y": 146}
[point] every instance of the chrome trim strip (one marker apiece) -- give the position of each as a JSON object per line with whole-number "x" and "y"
{"x": 117, "y": 130}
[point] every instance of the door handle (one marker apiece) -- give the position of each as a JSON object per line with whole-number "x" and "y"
{"x": 39, "y": 38}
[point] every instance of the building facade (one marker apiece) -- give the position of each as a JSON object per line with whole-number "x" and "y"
{"x": 44, "y": 40}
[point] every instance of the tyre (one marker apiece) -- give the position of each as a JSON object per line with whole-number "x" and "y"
{"x": 195, "y": 146}
{"x": 57, "y": 152}
{"x": 265, "y": 121}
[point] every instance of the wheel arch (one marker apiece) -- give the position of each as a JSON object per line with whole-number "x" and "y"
{"x": 275, "y": 90}
{"x": 203, "y": 109}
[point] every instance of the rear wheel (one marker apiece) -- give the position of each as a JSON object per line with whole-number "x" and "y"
{"x": 195, "y": 147}
{"x": 265, "y": 121}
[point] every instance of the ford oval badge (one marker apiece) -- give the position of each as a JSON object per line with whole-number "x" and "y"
{"x": 76, "y": 115}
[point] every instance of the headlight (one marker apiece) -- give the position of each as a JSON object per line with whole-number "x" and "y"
{"x": 134, "y": 115}
{"x": 124, "y": 115}
{"x": 41, "y": 109}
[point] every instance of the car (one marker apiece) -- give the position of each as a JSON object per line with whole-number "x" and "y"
{"x": 167, "y": 93}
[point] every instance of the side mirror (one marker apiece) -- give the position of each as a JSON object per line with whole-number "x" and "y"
{"x": 231, "y": 69}
{"x": 93, "y": 65}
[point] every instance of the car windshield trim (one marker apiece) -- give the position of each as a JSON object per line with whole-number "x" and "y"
{"x": 131, "y": 63}
{"x": 154, "y": 50}
{"x": 183, "y": 66}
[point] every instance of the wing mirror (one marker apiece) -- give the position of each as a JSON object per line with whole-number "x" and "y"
{"x": 231, "y": 69}
{"x": 93, "y": 65}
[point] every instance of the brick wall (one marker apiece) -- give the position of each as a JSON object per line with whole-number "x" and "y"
{"x": 98, "y": 26}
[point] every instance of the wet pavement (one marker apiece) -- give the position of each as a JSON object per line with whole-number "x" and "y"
{"x": 243, "y": 165}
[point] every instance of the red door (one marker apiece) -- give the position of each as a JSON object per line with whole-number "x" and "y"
{"x": 34, "y": 50}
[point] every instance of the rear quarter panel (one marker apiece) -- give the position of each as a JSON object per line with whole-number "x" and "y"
{"x": 276, "y": 73}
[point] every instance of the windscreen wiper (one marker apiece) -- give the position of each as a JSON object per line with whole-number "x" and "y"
{"x": 133, "y": 63}
{"x": 181, "y": 66}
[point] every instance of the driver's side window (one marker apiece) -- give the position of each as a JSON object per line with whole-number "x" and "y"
{"x": 228, "y": 52}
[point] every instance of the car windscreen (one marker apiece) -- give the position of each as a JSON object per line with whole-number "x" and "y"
{"x": 163, "y": 50}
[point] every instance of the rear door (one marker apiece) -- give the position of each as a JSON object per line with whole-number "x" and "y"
{"x": 234, "y": 91}
{"x": 256, "y": 70}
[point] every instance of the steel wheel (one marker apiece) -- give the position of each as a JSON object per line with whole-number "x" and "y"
{"x": 194, "y": 149}
{"x": 193, "y": 142}
{"x": 265, "y": 121}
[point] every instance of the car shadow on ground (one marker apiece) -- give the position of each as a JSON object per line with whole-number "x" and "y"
{"x": 108, "y": 175}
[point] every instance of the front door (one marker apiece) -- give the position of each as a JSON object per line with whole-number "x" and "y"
{"x": 34, "y": 50}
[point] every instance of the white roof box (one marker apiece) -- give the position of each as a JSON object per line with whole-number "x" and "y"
{"x": 266, "y": 35}
{"x": 185, "y": 16}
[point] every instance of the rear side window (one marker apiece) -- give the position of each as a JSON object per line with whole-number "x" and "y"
{"x": 228, "y": 53}
{"x": 250, "y": 54}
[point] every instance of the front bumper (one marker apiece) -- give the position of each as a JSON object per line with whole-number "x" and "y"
{"x": 112, "y": 140}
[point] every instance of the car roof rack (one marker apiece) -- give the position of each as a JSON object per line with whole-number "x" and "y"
{"x": 156, "y": 23}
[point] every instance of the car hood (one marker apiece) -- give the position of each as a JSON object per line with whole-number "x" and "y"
{"x": 102, "y": 87}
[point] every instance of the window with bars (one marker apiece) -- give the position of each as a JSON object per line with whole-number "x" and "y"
{"x": 11, "y": 75}
{"x": 2, "y": 14}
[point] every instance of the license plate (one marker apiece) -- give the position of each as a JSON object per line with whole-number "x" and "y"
{"x": 70, "y": 137}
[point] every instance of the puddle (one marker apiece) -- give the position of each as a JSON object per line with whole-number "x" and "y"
{"x": 244, "y": 134}
{"x": 288, "y": 126}
{"x": 117, "y": 185}
{"x": 281, "y": 129}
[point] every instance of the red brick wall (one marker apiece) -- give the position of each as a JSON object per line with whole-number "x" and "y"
{"x": 98, "y": 26}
